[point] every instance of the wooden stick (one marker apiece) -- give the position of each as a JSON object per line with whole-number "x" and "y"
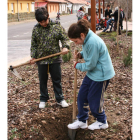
{"x": 75, "y": 89}
{"x": 42, "y": 58}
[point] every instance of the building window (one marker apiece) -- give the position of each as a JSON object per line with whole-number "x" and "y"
{"x": 12, "y": 7}
{"x": 27, "y": 7}
{"x": 20, "y": 6}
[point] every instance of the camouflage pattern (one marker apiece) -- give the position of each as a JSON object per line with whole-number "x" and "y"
{"x": 45, "y": 41}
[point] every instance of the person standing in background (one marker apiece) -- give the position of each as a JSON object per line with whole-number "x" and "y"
{"x": 123, "y": 16}
{"x": 108, "y": 11}
{"x": 80, "y": 13}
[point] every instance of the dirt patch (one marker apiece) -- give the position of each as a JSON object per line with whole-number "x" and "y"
{"x": 27, "y": 121}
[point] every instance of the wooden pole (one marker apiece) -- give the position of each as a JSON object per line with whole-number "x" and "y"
{"x": 118, "y": 25}
{"x": 93, "y": 15}
{"x": 75, "y": 90}
{"x": 103, "y": 8}
{"x": 99, "y": 10}
{"x": 127, "y": 19}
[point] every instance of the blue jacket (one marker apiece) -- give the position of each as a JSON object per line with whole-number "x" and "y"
{"x": 97, "y": 59}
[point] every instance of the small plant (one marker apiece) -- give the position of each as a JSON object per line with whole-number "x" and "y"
{"x": 112, "y": 38}
{"x": 129, "y": 33}
{"x": 127, "y": 59}
{"x": 67, "y": 57}
{"x": 14, "y": 134}
{"x": 117, "y": 99}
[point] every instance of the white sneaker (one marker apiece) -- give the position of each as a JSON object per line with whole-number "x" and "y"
{"x": 42, "y": 105}
{"x": 98, "y": 125}
{"x": 77, "y": 124}
{"x": 63, "y": 103}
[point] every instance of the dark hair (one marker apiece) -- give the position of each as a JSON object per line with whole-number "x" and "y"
{"x": 108, "y": 6}
{"x": 41, "y": 14}
{"x": 81, "y": 9}
{"x": 75, "y": 30}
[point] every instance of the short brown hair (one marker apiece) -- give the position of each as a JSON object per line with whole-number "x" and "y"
{"x": 108, "y": 6}
{"x": 75, "y": 30}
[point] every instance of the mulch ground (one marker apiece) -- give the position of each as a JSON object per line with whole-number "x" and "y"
{"x": 27, "y": 122}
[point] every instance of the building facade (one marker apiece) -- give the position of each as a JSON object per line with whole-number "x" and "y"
{"x": 20, "y": 10}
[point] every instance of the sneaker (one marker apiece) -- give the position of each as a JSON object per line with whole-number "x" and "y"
{"x": 63, "y": 103}
{"x": 98, "y": 125}
{"x": 42, "y": 105}
{"x": 78, "y": 124}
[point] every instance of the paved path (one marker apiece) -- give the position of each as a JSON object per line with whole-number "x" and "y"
{"x": 23, "y": 53}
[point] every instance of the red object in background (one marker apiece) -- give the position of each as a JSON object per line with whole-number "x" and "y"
{"x": 85, "y": 17}
{"x": 105, "y": 24}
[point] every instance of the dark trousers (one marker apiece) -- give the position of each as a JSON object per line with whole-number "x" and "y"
{"x": 115, "y": 26}
{"x": 91, "y": 93}
{"x": 55, "y": 72}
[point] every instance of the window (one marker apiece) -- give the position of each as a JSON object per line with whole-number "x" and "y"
{"x": 12, "y": 7}
{"x": 27, "y": 7}
{"x": 20, "y": 6}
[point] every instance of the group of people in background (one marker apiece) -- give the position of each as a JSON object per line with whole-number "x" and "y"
{"x": 113, "y": 21}
{"x": 108, "y": 21}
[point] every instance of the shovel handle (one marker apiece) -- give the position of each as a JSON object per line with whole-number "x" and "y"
{"x": 42, "y": 58}
{"x": 75, "y": 89}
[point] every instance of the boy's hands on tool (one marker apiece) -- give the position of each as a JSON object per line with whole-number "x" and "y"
{"x": 64, "y": 51}
{"x": 32, "y": 61}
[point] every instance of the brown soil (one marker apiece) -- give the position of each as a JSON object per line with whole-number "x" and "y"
{"x": 27, "y": 122}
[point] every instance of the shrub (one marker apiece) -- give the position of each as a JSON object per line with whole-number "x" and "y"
{"x": 127, "y": 59}
{"x": 67, "y": 57}
{"x": 129, "y": 33}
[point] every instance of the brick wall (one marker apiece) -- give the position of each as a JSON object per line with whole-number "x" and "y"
{"x": 22, "y": 16}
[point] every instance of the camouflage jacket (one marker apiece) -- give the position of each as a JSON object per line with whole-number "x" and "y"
{"x": 45, "y": 41}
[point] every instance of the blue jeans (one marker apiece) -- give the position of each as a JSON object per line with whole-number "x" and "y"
{"x": 108, "y": 22}
{"x": 91, "y": 93}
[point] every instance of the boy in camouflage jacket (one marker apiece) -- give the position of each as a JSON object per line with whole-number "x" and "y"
{"x": 45, "y": 41}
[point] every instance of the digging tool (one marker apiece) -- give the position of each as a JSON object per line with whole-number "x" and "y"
{"x": 13, "y": 70}
{"x": 72, "y": 132}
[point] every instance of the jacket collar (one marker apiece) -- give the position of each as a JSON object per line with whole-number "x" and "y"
{"x": 87, "y": 36}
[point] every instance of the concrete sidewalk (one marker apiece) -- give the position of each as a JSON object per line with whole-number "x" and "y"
{"x": 23, "y": 60}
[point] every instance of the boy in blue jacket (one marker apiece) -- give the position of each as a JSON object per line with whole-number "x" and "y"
{"x": 99, "y": 70}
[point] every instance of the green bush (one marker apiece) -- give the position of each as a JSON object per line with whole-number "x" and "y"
{"x": 127, "y": 59}
{"x": 67, "y": 57}
{"x": 129, "y": 33}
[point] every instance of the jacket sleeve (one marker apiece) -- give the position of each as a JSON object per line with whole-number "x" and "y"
{"x": 91, "y": 60}
{"x": 63, "y": 37}
{"x": 33, "y": 48}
